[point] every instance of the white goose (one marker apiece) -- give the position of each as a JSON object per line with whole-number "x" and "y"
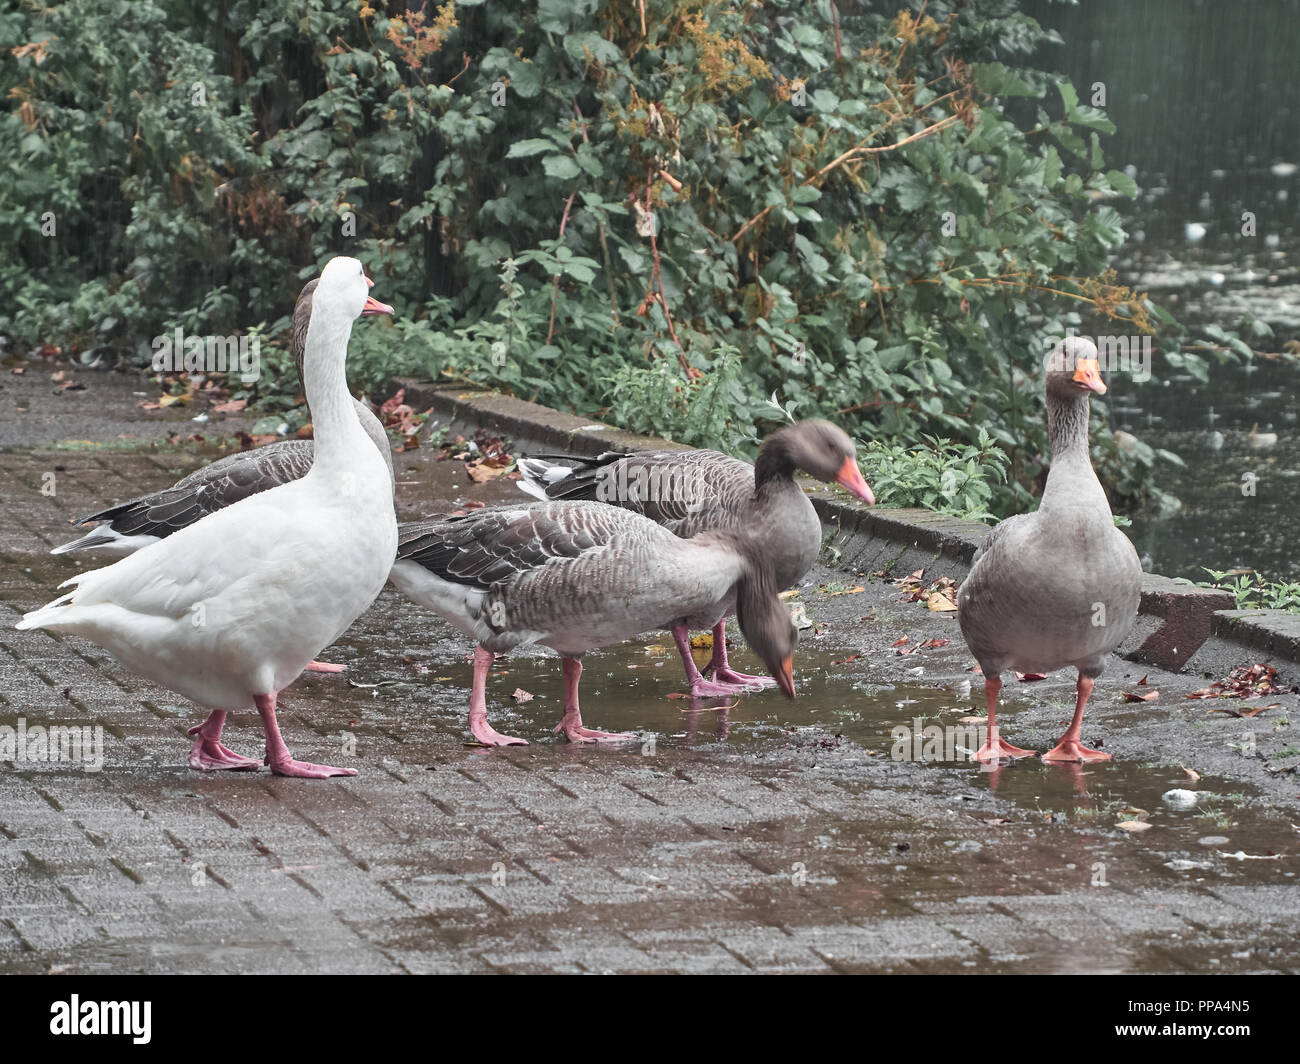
{"x": 229, "y": 610}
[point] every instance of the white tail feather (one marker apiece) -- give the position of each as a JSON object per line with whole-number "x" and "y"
{"x": 538, "y": 474}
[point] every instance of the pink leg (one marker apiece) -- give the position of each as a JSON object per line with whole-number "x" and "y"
{"x": 721, "y": 670}
{"x": 277, "y": 754}
{"x": 478, "y": 724}
{"x": 571, "y": 725}
{"x": 994, "y": 749}
{"x": 324, "y": 666}
{"x": 208, "y": 755}
{"x": 1069, "y": 748}
{"x": 700, "y": 687}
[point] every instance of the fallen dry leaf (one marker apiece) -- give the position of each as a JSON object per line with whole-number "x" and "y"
{"x": 232, "y": 407}
{"x": 940, "y": 602}
{"x": 480, "y": 472}
{"x": 1245, "y": 681}
{"x": 851, "y": 657}
{"x": 1252, "y": 711}
{"x": 703, "y": 641}
{"x": 392, "y": 404}
{"x": 1133, "y": 826}
{"x": 788, "y": 594}
{"x": 521, "y": 696}
{"x": 1030, "y": 677}
{"x": 900, "y": 642}
{"x": 848, "y": 591}
{"x": 1144, "y": 696}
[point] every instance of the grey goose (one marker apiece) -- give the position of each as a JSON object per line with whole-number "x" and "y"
{"x": 1058, "y": 587}
{"x": 574, "y": 576}
{"x": 689, "y": 492}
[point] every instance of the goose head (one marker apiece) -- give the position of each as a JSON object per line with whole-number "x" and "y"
{"x": 302, "y": 313}
{"x": 1073, "y": 371}
{"x": 821, "y": 450}
{"x": 343, "y": 291}
{"x": 765, "y": 623}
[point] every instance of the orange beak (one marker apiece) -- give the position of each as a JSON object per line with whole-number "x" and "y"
{"x": 784, "y": 677}
{"x": 1086, "y": 373}
{"x": 850, "y": 479}
{"x": 372, "y": 305}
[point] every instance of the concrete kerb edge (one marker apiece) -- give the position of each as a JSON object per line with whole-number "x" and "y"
{"x": 1175, "y": 620}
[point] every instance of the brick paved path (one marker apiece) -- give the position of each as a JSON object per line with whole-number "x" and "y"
{"x": 780, "y": 848}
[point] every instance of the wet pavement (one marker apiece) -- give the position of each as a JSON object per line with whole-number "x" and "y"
{"x": 751, "y": 835}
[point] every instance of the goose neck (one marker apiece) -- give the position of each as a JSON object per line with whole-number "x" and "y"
{"x": 774, "y": 468}
{"x": 1067, "y": 429}
{"x": 333, "y": 414}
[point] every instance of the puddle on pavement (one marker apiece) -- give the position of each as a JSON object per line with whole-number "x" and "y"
{"x": 628, "y": 688}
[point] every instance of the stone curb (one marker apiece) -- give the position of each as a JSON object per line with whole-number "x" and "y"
{"x": 1175, "y": 619}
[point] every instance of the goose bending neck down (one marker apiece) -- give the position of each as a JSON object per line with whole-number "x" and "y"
{"x": 1059, "y": 587}
{"x": 689, "y": 492}
{"x": 229, "y": 610}
{"x": 574, "y": 576}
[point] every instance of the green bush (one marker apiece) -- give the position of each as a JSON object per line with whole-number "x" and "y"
{"x": 877, "y": 218}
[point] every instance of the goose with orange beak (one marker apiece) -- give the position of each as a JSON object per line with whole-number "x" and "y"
{"x": 690, "y": 492}
{"x": 1057, "y": 588}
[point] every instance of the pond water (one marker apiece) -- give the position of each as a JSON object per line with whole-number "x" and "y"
{"x": 1206, "y": 119}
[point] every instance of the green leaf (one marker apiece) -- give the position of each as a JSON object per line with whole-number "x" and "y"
{"x": 534, "y": 146}
{"x": 561, "y": 166}
{"x": 1122, "y": 183}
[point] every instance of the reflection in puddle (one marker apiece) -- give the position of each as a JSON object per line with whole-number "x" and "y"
{"x": 633, "y": 688}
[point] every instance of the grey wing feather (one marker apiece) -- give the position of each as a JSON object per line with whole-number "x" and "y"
{"x": 209, "y": 489}
{"x": 485, "y": 547}
{"x": 687, "y": 492}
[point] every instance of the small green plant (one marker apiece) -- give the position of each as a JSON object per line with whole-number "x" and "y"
{"x": 949, "y": 477}
{"x": 1252, "y": 591}
{"x": 658, "y": 398}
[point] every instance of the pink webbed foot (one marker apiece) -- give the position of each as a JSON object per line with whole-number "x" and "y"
{"x": 575, "y": 732}
{"x": 997, "y": 749}
{"x": 485, "y": 734}
{"x": 702, "y": 688}
{"x": 324, "y": 666}
{"x": 306, "y": 770}
{"x": 1071, "y": 750}
{"x": 209, "y": 755}
{"x": 741, "y": 679}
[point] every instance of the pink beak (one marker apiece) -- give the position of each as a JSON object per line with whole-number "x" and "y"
{"x": 372, "y": 305}
{"x": 850, "y": 479}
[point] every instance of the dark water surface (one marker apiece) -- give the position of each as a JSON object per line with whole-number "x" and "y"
{"x": 1208, "y": 123}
